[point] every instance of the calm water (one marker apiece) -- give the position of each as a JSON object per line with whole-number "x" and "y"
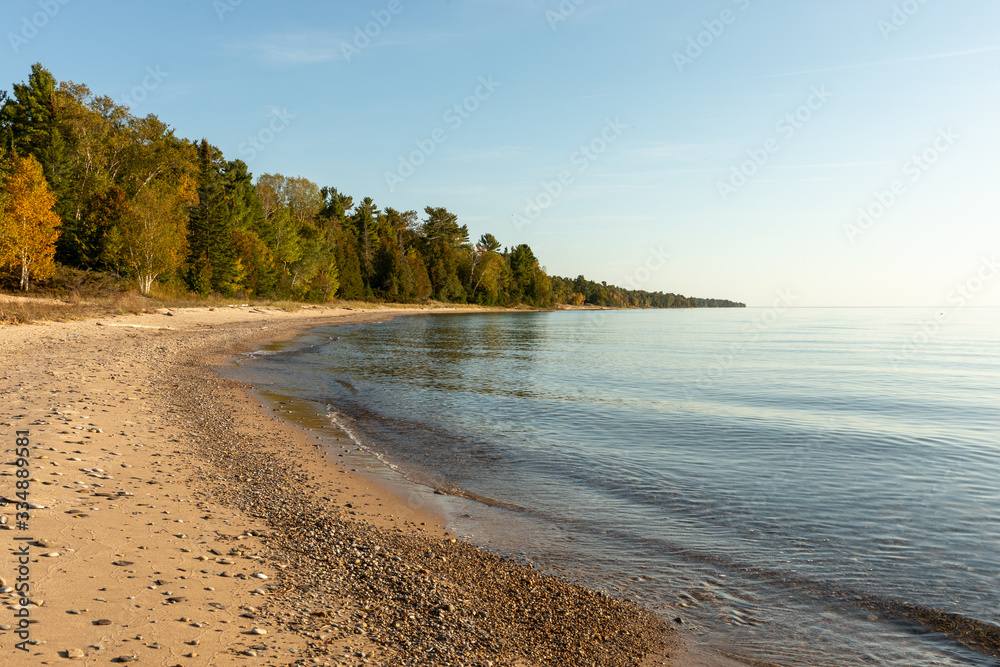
{"x": 813, "y": 487}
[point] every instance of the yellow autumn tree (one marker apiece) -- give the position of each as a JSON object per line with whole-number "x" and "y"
{"x": 29, "y": 227}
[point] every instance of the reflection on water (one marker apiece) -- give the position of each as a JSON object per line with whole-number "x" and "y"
{"x": 797, "y": 496}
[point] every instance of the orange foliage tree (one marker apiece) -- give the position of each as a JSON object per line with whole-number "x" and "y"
{"x": 29, "y": 227}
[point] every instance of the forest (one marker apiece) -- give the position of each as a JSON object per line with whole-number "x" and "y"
{"x": 87, "y": 185}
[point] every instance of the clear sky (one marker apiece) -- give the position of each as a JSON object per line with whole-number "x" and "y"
{"x": 740, "y": 138}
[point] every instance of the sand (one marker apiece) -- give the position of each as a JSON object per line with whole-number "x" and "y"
{"x": 180, "y": 522}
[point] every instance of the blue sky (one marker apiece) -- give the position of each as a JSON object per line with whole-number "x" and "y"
{"x": 740, "y": 138}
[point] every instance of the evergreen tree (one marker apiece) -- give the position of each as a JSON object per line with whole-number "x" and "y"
{"x": 212, "y": 263}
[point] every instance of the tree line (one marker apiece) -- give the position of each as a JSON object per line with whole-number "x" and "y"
{"x": 89, "y": 185}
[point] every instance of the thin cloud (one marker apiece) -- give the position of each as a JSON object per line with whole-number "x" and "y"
{"x": 877, "y": 63}
{"x": 828, "y": 165}
{"x": 314, "y": 47}
{"x": 295, "y": 48}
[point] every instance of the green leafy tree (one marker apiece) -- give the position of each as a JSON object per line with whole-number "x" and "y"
{"x": 150, "y": 239}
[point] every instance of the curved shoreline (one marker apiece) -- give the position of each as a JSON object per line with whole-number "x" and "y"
{"x": 334, "y": 587}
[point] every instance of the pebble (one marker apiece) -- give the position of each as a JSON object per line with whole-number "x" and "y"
{"x": 102, "y": 621}
{"x": 258, "y": 631}
{"x": 493, "y": 610}
{"x": 75, "y": 654}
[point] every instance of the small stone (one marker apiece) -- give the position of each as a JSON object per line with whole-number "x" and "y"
{"x": 122, "y": 563}
{"x": 127, "y": 658}
{"x": 75, "y": 654}
{"x": 258, "y": 631}
{"x": 250, "y": 652}
{"x": 261, "y": 576}
{"x": 51, "y": 554}
{"x": 102, "y": 621}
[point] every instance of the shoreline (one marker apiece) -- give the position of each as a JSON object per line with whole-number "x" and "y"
{"x": 309, "y": 582}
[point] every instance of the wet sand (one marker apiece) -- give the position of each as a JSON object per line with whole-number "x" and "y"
{"x": 194, "y": 527}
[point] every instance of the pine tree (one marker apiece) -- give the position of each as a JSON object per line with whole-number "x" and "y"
{"x": 212, "y": 263}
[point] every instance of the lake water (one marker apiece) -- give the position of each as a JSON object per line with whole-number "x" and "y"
{"x": 804, "y": 487}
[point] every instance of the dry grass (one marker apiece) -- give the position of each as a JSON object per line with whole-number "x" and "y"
{"x": 74, "y": 294}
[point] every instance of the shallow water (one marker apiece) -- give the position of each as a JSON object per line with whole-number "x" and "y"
{"x": 812, "y": 487}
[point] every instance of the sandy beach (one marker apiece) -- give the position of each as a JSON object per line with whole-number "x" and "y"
{"x": 175, "y": 520}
